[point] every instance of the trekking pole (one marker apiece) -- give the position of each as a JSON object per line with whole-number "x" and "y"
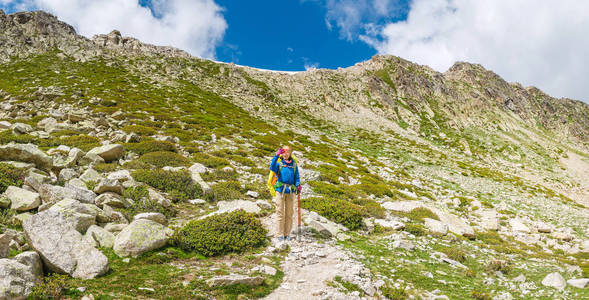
{"x": 299, "y": 211}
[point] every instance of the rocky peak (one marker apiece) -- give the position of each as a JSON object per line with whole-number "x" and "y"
{"x": 115, "y": 41}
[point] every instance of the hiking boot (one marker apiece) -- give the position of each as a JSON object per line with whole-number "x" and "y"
{"x": 280, "y": 238}
{"x": 288, "y": 238}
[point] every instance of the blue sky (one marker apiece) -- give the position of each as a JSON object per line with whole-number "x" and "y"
{"x": 539, "y": 43}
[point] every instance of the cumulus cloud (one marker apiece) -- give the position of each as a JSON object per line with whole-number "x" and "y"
{"x": 540, "y": 43}
{"x": 196, "y": 26}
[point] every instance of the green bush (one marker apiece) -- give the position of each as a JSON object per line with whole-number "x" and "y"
{"x": 139, "y": 129}
{"x": 416, "y": 229}
{"x": 7, "y": 136}
{"x": 394, "y": 293}
{"x": 10, "y": 175}
{"x": 209, "y": 160}
{"x": 339, "y": 211}
{"x": 480, "y": 295}
{"x": 454, "y": 253}
{"x": 106, "y": 167}
{"x": 151, "y": 146}
{"x": 178, "y": 184}
{"x": 420, "y": 213}
{"x": 372, "y": 207}
{"x": 162, "y": 159}
{"x": 52, "y": 287}
{"x": 82, "y": 141}
{"x": 504, "y": 266}
{"x": 229, "y": 190}
{"x": 220, "y": 234}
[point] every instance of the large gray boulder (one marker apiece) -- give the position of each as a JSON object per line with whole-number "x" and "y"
{"x": 554, "y": 280}
{"x": 101, "y": 237}
{"x": 141, "y": 236}
{"x": 108, "y": 185}
{"x": 75, "y": 213}
{"x": 26, "y": 153}
{"x": 62, "y": 248}
{"x": 5, "y": 239}
{"x": 195, "y": 171}
{"x": 21, "y": 199}
{"x": 16, "y": 279}
{"x": 108, "y": 152}
{"x": 32, "y": 260}
{"x": 54, "y": 193}
{"x": 67, "y": 162}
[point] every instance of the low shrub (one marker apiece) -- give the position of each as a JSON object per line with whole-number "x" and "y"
{"x": 416, "y": 229}
{"x": 178, "y": 184}
{"x": 162, "y": 159}
{"x": 139, "y": 129}
{"x": 148, "y": 205}
{"x": 339, "y": 211}
{"x": 51, "y": 287}
{"x": 394, "y": 293}
{"x": 210, "y": 160}
{"x": 217, "y": 175}
{"x": 106, "y": 167}
{"x": 372, "y": 207}
{"x": 82, "y": 141}
{"x": 148, "y": 146}
{"x": 504, "y": 266}
{"x": 420, "y": 213}
{"x": 229, "y": 190}
{"x": 7, "y": 136}
{"x": 220, "y": 234}
{"x": 454, "y": 253}
{"x": 480, "y": 295}
{"x": 10, "y": 175}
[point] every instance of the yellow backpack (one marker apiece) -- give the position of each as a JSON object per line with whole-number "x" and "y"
{"x": 272, "y": 178}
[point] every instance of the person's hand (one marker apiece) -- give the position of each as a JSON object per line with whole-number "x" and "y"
{"x": 299, "y": 188}
{"x": 280, "y": 151}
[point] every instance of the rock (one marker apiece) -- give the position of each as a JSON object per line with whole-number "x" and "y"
{"x": 53, "y": 193}
{"x": 543, "y": 227}
{"x": 4, "y": 202}
{"x": 108, "y": 152}
{"x": 141, "y": 236}
{"x": 404, "y": 244}
{"x": 77, "y": 183}
{"x": 234, "y": 279}
{"x": 115, "y": 216}
{"x": 75, "y": 213}
{"x": 16, "y": 280}
{"x": 35, "y": 180}
{"x": 110, "y": 199}
{"x": 20, "y": 218}
{"x": 62, "y": 248}
{"x": 395, "y": 225}
{"x": 4, "y": 125}
{"x": 325, "y": 227}
{"x": 155, "y": 195}
{"x": 132, "y": 138}
{"x": 115, "y": 228}
{"x": 520, "y": 278}
{"x": 121, "y": 176}
{"x": 268, "y": 270}
{"x": 490, "y": 220}
{"x": 32, "y": 260}
{"x": 229, "y": 206}
{"x": 197, "y": 201}
{"x": 26, "y": 153}
{"x": 198, "y": 168}
{"x": 563, "y": 236}
{"x": 455, "y": 224}
{"x": 578, "y": 283}
{"x": 263, "y": 204}
{"x": 252, "y": 194}
{"x": 517, "y": 225}
{"x": 101, "y": 216}
{"x": 436, "y": 226}
{"x": 90, "y": 175}
{"x": 195, "y": 175}
{"x": 21, "y": 199}
{"x": 21, "y": 128}
{"x": 5, "y": 239}
{"x": 554, "y": 280}
{"x": 101, "y": 236}
{"x": 67, "y": 174}
{"x": 108, "y": 185}
{"x": 74, "y": 155}
{"x": 156, "y": 217}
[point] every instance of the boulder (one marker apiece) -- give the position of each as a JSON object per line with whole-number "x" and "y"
{"x": 62, "y": 248}
{"x": 141, "y": 236}
{"x": 110, "y": 199}
{"x": 156, "y": 217}
{"x": 195, "y": 175}
{"x": 108, "y": 185}
{"x": 75, "y": 213}
{"x": 115, "y": 228}
{"x": 67, "y": 174}
{"x": 108, "y": 152}
{"x": 26, "y": 153}
{"x": 21, "y": 128}
{"x": 32, "y": 260}
{"x": 16, "y": 279}
{"x": 436, "y": 226}
{"x": 101, "y": 216}
{"x": 77, "y": 183}
{"x": 455, "y": 224}
{"x": 21, "y": 199}
{"x": 578, "y": 282}
{"x": 121, "y": 176}
{"x": 395, "y": 225}
{"x": 5, "y": 239}
{"x": 554, "y": 280}
{"x": 323, "y": 225}
{"x": 155, "y": 195}
{"x": 113, "y": 215}
{"x": 4, "y": 202}
{"x": 517, "y": 225}
{"x": 53, "y": 193}
{"x": 101, "y": 236}
{"x": 73, "y": 156}
{"x": 490, "y": 220}
{"x": 234, "y": 279}
{"x": 90, "y": 175}
{"x": 229, "y": 206}
{"x": 4, "y": 124}
{"x": 543, "y": 227}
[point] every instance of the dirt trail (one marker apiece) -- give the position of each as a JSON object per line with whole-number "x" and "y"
{"x": 310, "y": 265}
{"x": 578, "y": 170}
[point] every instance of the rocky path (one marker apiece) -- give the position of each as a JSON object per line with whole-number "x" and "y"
{"x": 311, "y": 265}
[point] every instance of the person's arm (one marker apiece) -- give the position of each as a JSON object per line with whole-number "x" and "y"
{"x": 274, "y": 163}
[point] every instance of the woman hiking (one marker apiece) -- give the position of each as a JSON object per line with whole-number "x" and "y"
{"x": 287, "y": 184}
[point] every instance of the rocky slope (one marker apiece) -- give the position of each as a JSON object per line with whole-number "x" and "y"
{"x": 416, "y": 183}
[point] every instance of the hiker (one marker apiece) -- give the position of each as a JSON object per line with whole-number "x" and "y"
{"x": 287, "y": 184}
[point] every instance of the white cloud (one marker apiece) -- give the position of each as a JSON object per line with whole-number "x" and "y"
{"x": 311, "y": 65}
{"x": 540, "y": 43}
{"x": 196, "y": 26}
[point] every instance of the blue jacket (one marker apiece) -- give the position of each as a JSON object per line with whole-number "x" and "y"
{"x": 289, "y": 173}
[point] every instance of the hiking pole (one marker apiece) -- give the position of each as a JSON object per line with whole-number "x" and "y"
{"x": 299, "y": 211}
